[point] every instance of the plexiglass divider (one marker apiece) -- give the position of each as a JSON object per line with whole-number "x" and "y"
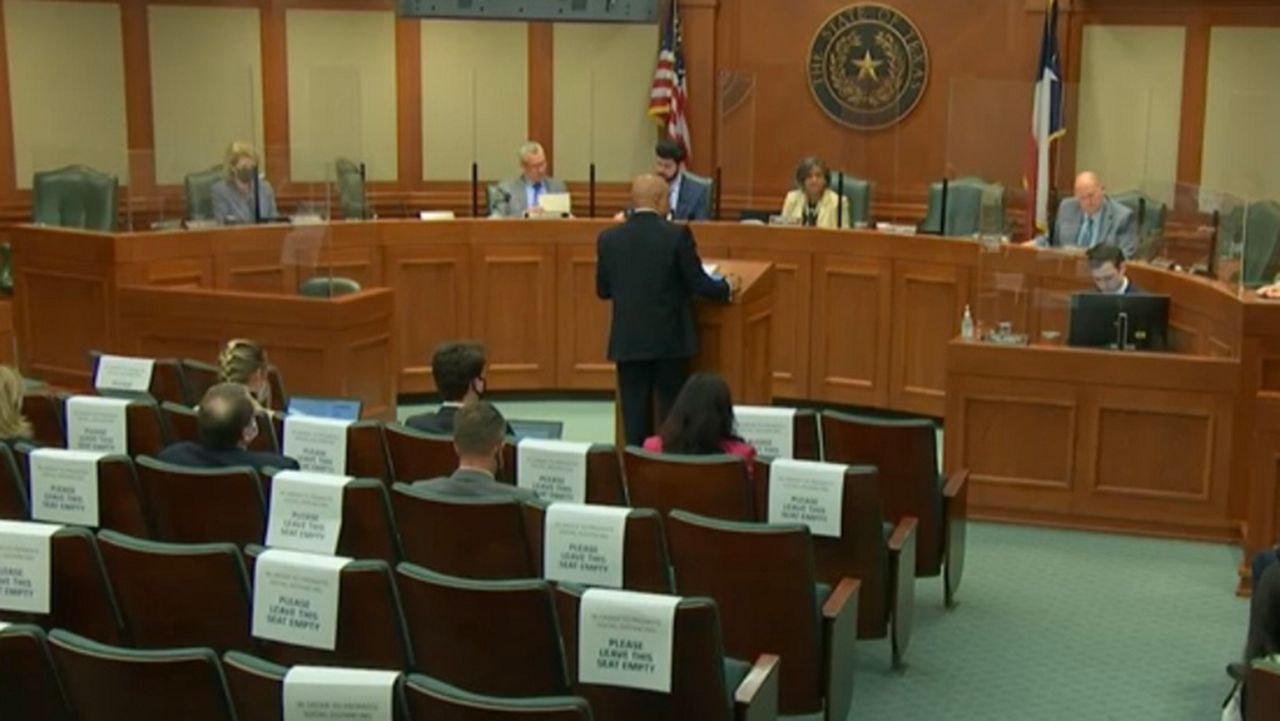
{"x": 736, "y": 117}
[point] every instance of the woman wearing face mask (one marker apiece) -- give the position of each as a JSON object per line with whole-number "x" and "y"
{"x": 814, "y": 204}
{"x": 245, "y": 362}
{"x": 233, "y": 196}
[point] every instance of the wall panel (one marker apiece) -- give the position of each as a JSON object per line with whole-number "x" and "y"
{"x": 1242, "y": 112}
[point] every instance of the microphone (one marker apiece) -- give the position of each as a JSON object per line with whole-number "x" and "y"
{"x": 257, "y": 197}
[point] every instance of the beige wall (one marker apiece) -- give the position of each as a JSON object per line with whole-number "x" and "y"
{"x": 1131, "y": 106}
{"x": 206, "y": 85}
{"x": 602, "y": 79}
{"x": 1242, "y": 113}
{"x": 474, "y": 97}
{"x": 342, "y": 91}
{"x": 66, "y": 84}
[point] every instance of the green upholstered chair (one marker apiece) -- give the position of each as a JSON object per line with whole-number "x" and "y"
{"x": 1261, "y": 243}
{"x": 973, "y": 206}
{"x": 428, "y": 698}
{"x": 351, "y": 197}
{"x": 1152, "y": 215}
{"x": 6, "y": 269}
{"x": 327, "y": 287}
{"x": 199, "y": 192}
{"x": 76, "y": 196}
{"x": 857, "y": 193}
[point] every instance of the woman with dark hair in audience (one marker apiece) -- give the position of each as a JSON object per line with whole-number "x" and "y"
{"x": 701, "y": 422}
{"x": 245, "y": 362}
{"x": 14, "y": 427}
{"x": 814, "y": 203}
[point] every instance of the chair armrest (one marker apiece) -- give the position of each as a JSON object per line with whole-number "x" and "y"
{"x": 955, "y": 502}
{"x": 839, "y": 631}
{"x": 902, "y": 586}
{"x": 756, "y": 698}
{"x": 957, "y": 483}
{"x": 902, "y": 533}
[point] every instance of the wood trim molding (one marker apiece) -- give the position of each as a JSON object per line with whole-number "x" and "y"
{"x": 139, "y": 118}
{"x": 1195, "y": 94}
{"x": 409, "y": 102}
{"x": 8, "y": 157}
{"x": 541, "y": 92}
{"x": 275, "y": 93}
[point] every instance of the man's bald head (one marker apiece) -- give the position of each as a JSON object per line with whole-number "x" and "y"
{"x": 225, "y": 412}
{"x": 1089, "y": 192}
{"x": 650, "y": 191}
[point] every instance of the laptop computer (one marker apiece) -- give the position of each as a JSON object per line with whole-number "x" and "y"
{"x": 343, "y": 409}
{"x": 542, "y": 430}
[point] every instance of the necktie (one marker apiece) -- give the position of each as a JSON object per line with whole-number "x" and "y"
{"x": 537, "y": 193}
{"x": 1087, "y": 238}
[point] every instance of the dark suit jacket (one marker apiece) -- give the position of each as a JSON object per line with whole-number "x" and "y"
{"x": 694, "y": 201}
{"x": 440, "y": 422}
{"x": 195, "y": 455}
{"x": 651, "y": 270}
{"x": 466, "y": 483}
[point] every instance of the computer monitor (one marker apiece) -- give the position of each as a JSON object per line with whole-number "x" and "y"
{"x": 343, "y": 409}
{"x": 1099, "y": 319}
{"x": 544, "y": 430}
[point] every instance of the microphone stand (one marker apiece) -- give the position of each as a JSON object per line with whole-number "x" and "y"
{"x": 257, "y": 197}
{"x": 942, "y": 224}
{"x": 475, "y": 188}
{"x": 364, "y": 203}
{"x": 591, "y": 193}
{"x": 840, "y": 200}
{"x": 719, "y": 190}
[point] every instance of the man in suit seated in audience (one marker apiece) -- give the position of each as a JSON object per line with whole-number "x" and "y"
{"x": 458, "y": 369}
{"x": 478, "y": 433}
{"x": 1090, "y": 218}
{"x": 1106, "y": 264}
{"x": 227, "y": 429}
{"x": 521, "y": 196}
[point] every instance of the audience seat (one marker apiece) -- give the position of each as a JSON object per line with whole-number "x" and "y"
{"x": 199, "y": 505}
{"x": 81, "y": 599}
{"x": 200, "y": 377}
{"x": 14, "y": 502}
{"x": 368, "y": 529}
{"x": 714, "y": 485}
{"x": 44, "y": 409}
{"x": 906, "y": 454}
{"x": 490, "y": 637}
{"x": 168, "y": 384}
{"x": 179, "y": 594}
{"x": 763, "y": 580}
{"x": 880, "y": 555}
{"x": 108, "y": 683}
{"x": 367, "y": 451}
{"x": 1262, "y": 692}
{"x": 429, "y": 699}
{"x": 371, "y": 627}
{"x": 29, "y": 684}
{"x": 120, "y": 505}
{"x": 646, "y": 565}
{"x": 279, "y": 396}
{"x": 417, "y": 455}
{"x": 804, "y": 428}
{"x": 465, "y": 537}
{"x": 148, "y": 434}
{"x": 604, "y": 475}
{"x": 705, "y": 684}
{"x": 257, "y": 689}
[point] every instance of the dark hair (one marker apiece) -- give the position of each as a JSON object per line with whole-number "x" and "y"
{"x": 668, "y": 149}
{"x": 454, "y": 366}
{"x": 477, "y": 428}
{"x": 1104, "y": 253}
{"x": 701, "y": 419}
{"x": 808, "y": 165}
{"x": 225, "y": 411}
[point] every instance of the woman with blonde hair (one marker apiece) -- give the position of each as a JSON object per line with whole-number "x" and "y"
{"x": 813, "y": 203}
{"x": 245, "y": 362}
{"x": 13, "y": 425}
{"x": 233, "y": 196}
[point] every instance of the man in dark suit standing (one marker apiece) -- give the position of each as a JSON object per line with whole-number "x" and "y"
{"x": 227, "y": 428}
{"x": 651, "y": 271}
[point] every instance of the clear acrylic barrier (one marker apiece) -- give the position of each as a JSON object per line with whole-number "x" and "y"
{"x": 736, "y": 118}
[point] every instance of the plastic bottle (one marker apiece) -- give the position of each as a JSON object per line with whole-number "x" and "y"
{"x": 966, "y": 325}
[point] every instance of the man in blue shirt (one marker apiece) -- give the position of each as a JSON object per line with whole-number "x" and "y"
{"x": 521, "y": 197}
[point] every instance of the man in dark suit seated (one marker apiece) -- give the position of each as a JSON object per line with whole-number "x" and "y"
{"x": 689, "y": 195}
{"x": 227, "y": 428}
{"x": 458, "y": 370}
{"x": 1106, "y": 264}
{"x": 478, "y": 432}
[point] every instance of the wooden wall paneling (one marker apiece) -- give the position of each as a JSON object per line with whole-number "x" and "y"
{"x": 1195, "y": 93}
{"x": 928, "y": 301}
{"x": 408, "y": 105}
{"x": 275, "y": 95}
{"x": 541, "y": 118}
{"x": 433, "y": 304}
{"x": 513, "y": 300}
{"x": 582, "y": 322}
{"x": 139, "y": 118}
{"x": 792, "y": 314}
{"x": 849, "y": 352}
{"x": 698, "y": 29}
{"x": 8, "y": 166}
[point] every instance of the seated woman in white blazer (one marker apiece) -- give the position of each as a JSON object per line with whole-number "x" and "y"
{"x": 814, "y": 203}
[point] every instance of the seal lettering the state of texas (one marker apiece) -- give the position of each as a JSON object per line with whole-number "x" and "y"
{"x": 868, "y": 66}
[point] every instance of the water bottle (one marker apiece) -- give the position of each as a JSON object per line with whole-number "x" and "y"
{"x": 966, "y": 325}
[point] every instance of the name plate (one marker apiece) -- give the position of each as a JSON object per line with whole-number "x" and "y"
{"x": 807, "y": 492}
{"x": 317, "y": 444}
{"x": 584, "y": 544}
{"x": 555, "y": 470}
{"x": 26, "y": 561}
{"x": 315, "y": 693}
{"x": 122, "y": 373}
{"x": 64, "y": 486}
{"x": 625, "y": 639}
{"x": 295, "y": 598}
{"x": 771, "y": 430}
{"x": 97, "y": 424}
{"x": 306, "y": 511}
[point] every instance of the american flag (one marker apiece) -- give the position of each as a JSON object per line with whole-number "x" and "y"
{"x": 669, "y": 96}
{"x": 1047, "y": 123}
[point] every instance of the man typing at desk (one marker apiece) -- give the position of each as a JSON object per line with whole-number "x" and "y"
{"x": 1106, "y": 265}
{"x": 521, "y": 196}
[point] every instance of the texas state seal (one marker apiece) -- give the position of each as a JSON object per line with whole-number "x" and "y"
{"x": 868, "y": 66}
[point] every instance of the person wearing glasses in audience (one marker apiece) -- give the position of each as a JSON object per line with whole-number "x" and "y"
{"x": 813, "y": 203}
{"x": 458, "y": 369}
{"x": 701, "y": 423}
{"x": 226, "y": 424}
{"x": 521, "y": 197}
{"x": 233, "y": 199}
{"x": 14, "y": 427}
{"x": 479, "y": 431}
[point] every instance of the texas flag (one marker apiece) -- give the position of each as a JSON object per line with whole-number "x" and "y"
{"x": 1047, "y": 124}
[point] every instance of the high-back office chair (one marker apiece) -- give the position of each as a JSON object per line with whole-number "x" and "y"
{"x": 1261, "y": 235}
{"x": 350, "y": 186}
{"x": 1150, "y": 215}
{"x": 857, "y": 193}
{"x": 75, "y": 196}
{"x": 328, "y": 287}
{"x": 198, "y": 187}
{"x": 973, "y": 206}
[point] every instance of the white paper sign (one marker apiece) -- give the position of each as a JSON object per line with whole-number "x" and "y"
{"x": 26, "y": 562}
{"x": 64, "y": 486}
{"x": 3, "y": 626}
{"x": 317, "y": 444}
{"x": 306, "y": 511}
{"x": 555, "y": 470}
{"x": 295, "y": 598}
{"x": 807, "y": 492}
{"x": 97, "y": 424}
{"x": 626, "y": 638}
{"x": 584, "y": 544}
{"x": 315, "y": 693}
{"x": 122, "y": 373}
{"x": 771, "y": 430}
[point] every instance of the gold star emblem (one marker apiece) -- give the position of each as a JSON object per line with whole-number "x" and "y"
{"x": 867, "y": 67}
